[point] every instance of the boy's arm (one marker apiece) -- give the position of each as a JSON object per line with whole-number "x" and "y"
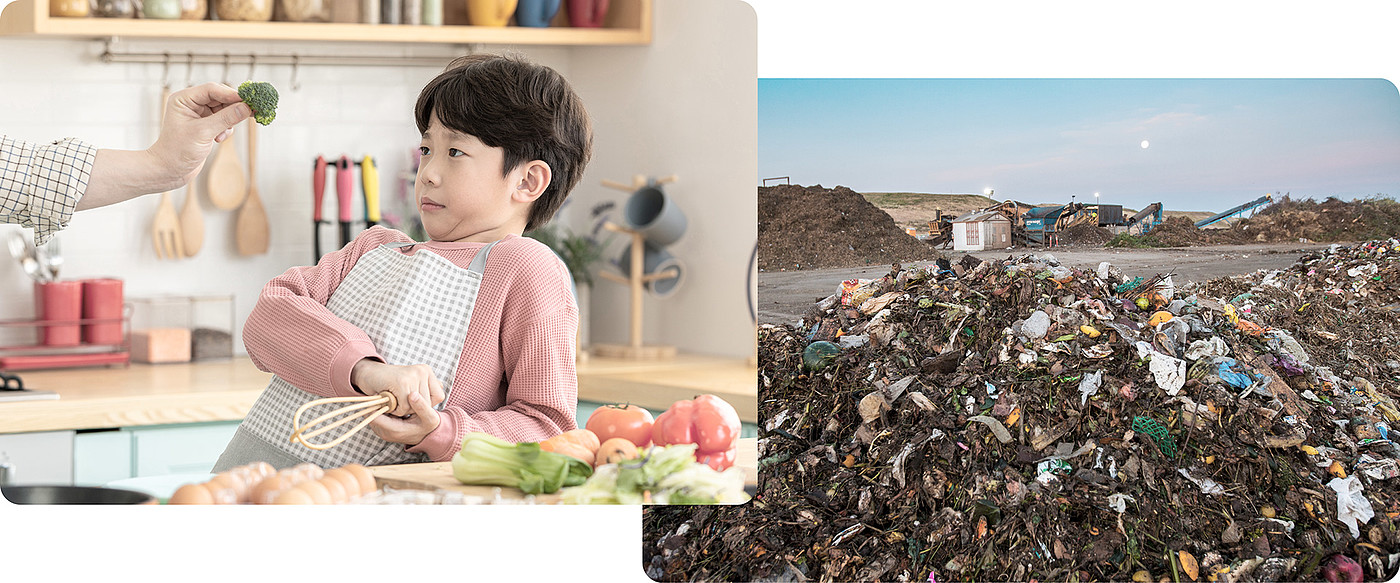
{"x": 537, "y": 346}
{"x": 292, "y": 334}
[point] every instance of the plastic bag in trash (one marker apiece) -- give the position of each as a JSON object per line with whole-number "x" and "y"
{"x": 1089, "y": 386}
{"x": 1213, "y": 347}
{"x": 1168, "y": 371}
{"x": 1352, "y": 505}
{"x": 1036, "y": 326}
{"x": 1233, "y": 373}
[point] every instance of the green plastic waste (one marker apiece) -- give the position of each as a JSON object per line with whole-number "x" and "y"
{"x": 818, "y": 354}
{"x": 1151, "y": 428}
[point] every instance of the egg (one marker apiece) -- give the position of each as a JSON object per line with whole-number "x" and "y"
{"x": 293, "y": 496}
{"x": 335, "y": 488}
{"x": 192, "y": 494}
{"x": 267, "y": 490}
{"x": 222, "y": 494}
{"x": 318, "y": 492}
{"x": 263, "y": 469}
{"x": 232, "y": 482}
{"x": 366, "y": 478}
{"x": 347, "y": 480}
{"x": 309, "y": 471}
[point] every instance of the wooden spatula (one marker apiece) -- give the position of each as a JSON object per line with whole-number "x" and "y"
{"x": 251, "y": 231}
{"x": 192, "y": 221}
{"x": 227, "y": 186}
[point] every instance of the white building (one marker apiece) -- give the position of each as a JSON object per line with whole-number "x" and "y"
{"x": 981, "y": 230}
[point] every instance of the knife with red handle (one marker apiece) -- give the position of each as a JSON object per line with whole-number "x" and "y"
{"x": 344, "y": 187}
{"x": 318, "y": 194}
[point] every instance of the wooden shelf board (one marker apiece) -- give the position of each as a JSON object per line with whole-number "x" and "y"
{"x": 31, "y": 18}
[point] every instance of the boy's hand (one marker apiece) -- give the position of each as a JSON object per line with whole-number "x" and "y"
{"x": 372, "y": 377}
{"x": 411, "y": 430}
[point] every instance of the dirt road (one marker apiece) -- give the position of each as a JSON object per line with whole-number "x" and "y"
{"x": 783, "y": 296}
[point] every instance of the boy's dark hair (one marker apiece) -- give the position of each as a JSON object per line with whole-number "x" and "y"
{"x": 526, "y": 109}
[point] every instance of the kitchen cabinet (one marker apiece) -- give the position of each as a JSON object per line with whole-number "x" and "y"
{"x": 628, "y": 23}
{"x": 42, "y": 457}
{"x": 191, "y": 448}
{"x": 101, "y": 456}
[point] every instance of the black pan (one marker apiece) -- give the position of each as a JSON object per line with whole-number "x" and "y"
{"x": 73, "y": 495}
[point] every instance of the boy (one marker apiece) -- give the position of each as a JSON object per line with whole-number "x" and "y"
{"x": 472, "y": 330}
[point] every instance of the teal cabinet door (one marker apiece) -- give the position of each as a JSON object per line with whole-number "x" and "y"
{"x": 179, "y": 449}
{"x": 100, "y": 457}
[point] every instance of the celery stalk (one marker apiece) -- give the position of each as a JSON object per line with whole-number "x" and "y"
{"x": 487, "y": 460}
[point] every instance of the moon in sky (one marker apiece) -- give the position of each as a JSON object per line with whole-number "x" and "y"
{"x": 1144, "y": 144}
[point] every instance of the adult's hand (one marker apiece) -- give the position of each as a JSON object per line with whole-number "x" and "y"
{"x": 195, "y": 119}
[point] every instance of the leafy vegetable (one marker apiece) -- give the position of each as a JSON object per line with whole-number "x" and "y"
{"x": 487, "y": 460}
{"x": 668, "y": 474}
{"x": 262, "y": 98}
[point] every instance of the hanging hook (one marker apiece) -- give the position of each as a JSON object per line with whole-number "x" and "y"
{"x": 296, "y": 63}
{"x": 227, "y": 60}
{"x": 165, "y": 72}
{"x": 252, "y": 65}
{"x": 189, "y": 69}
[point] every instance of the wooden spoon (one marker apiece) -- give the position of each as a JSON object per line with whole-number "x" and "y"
{"x": 251, "y": 231}
{"x": 227, "y": 186}
{"x": 192, "y": 221}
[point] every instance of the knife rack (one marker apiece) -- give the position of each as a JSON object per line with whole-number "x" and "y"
{"x": 40, "y": 356}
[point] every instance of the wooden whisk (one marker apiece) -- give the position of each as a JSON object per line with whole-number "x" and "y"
{"x": 364, "y": 408}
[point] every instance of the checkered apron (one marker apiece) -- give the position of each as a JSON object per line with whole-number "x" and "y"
{"x": 415, "y": 309}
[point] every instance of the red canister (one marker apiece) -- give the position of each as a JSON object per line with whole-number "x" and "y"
{"x": 102, "y": 300}
{"x": 59, "y": 306}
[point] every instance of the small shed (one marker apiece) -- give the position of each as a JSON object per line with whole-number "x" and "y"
{"x": 981, "y": 230}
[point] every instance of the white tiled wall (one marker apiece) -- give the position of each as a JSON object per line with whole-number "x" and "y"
{"x": 684, "y": 105}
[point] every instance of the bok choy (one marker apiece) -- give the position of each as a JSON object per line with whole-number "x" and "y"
{"x": 487, "y": 460}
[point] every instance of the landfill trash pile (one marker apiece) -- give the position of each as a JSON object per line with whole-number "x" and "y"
{"x": 1020, "y": 420}
{"x": 816, "y": 228}
{"x": 1085, "y": 235}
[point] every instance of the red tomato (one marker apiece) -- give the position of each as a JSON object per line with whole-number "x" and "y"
{"x": 628, "y": 421}
{"x": 707, "y": 421}
{"x": 720, "y": 461}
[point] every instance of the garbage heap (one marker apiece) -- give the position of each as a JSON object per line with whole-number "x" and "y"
{"x": 1021, "y": 420}
{"x": 811, "y": 227}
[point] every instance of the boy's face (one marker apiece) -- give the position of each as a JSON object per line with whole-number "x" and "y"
{"x": 460, "y": 191}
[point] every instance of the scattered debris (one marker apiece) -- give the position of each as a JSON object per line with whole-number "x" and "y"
{"x": 1021, "y": 447}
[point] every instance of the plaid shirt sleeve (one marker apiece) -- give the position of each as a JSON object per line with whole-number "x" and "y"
{"x": 40, "y": 184}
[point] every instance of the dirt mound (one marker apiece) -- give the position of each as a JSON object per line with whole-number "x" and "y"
{"x": 1019, "y": 420}
{"x": 816, "y": 228}
{"x": 1085, "y": 234}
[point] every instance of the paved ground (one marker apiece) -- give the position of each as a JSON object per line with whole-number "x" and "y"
{"x": 783, "y": 296}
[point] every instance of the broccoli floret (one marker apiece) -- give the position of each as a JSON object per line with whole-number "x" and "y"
{"x": 262, "y": 98}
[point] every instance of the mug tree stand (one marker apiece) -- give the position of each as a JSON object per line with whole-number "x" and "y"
{"x": 635, "y": 279}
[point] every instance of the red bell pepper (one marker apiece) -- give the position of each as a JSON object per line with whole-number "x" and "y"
{"x": 706, "y": 421}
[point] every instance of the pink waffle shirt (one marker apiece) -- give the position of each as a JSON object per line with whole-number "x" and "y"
{"x": 515, "y": 378}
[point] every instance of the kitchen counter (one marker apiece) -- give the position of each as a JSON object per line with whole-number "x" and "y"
{"x": 438, "y": 475}
{"x": 224, "y": 390}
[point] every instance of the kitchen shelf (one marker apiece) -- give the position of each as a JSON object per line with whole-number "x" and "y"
{"x": 628, "y": 23}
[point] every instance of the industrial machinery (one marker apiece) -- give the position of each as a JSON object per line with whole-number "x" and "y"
{"x": 1146, "y": 219}
{"x": 1249, "y": 207}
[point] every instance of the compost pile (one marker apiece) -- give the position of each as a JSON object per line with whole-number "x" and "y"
{"x": 1286, "y": 220}
{"x": 1020, "y": 420}
{"x": 816, "y": 228}
{"x": 1327, "y": 221}
{"x": 1085, "y": 235}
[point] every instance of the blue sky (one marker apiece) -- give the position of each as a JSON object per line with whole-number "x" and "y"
{"x": 1212, "y": 143}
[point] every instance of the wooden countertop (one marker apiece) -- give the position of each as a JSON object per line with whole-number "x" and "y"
{"x": 224, "y": 390}
{"x": 439, "y": 475}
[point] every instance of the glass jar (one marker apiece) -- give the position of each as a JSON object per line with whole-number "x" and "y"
{"x": 161, "y": 9}
{"x": 194, "y": 9}
{"x": 304, "y": 10}
{"x": 115, "y": 8}
{"x": 257, "y": 10}
{"x": 69, "y": 8}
